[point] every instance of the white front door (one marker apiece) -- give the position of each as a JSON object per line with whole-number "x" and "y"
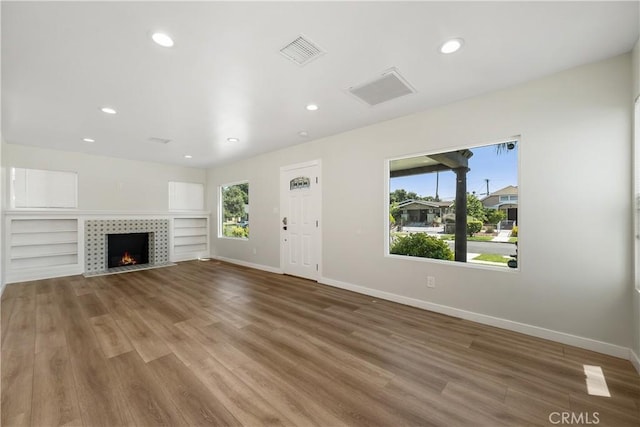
{"x": 300, "y": 201}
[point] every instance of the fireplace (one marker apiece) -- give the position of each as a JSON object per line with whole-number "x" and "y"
{"x": 127, "y": 249}
{"x": 100, "y": 244}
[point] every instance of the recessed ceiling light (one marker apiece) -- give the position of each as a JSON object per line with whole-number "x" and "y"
{"x": 88, "y": 140}
{"x": 188, "y": 156}
{"x": 312, "y": 107}
{"x": 451, "y": 46}
{"x": 303, "y": 133}
{"x": 233, "y": 140}
{"x": 162, "y": 39}
{"x": 108, "y": 110}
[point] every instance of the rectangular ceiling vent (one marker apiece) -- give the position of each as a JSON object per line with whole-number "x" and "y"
{"x": 159, "y": 140}
{"x": 390, "y": 85}
{"x": 302, "y": 51}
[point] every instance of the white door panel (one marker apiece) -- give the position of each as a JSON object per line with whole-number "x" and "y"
{"x": 300, "y": 205}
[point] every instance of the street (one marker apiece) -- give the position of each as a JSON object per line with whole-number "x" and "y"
{"x": 488, "y": 247}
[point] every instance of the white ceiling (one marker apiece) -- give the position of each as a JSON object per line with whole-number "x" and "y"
{"x": 225, "y": 77}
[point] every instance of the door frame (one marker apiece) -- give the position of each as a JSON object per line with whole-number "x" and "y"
{"x": 283, "y": 196}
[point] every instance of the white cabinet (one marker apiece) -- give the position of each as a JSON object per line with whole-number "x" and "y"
{"x": 186, "y": 196}
{"x": 34, "y": 188}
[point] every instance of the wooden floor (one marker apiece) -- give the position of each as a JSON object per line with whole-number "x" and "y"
{"x": 210, "y": 343}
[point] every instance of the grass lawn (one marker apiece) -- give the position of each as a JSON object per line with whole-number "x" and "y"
{"x": 492, "y": 258}
{"x": 480, "y": 239}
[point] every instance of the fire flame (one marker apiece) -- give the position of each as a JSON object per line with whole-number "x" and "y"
{"x": 127, "y": 259}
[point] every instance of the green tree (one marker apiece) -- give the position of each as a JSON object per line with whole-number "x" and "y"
{"x": 394, "y": 213}
{"x": 244, "y": 188}
{"x": 398, "y": 196}
{"x": 475, "y": 208}
{"x": 494, "y": 216}
{"x": 473, "y": 226}
{"x": 233, "y": 199}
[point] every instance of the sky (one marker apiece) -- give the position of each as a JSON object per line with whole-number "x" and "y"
{"x": 501, "y": 170}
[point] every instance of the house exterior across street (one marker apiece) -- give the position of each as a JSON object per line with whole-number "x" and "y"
{"x": 423, "y": 213}
{"x": 505, "y": 199}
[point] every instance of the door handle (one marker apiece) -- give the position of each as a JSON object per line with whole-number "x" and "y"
{"x": 284, "y": 222}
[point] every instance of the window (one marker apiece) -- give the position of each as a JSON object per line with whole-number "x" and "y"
{"x": 234, "y": 211}
{"x": 459, "y": 205}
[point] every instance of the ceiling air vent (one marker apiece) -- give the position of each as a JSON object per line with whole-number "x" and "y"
{"x": 302, "y": 51}
{"x": 159, "y": 140}
{"x": 388, "y": 86}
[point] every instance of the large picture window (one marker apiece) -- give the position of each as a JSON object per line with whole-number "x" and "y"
{"x": 234, "y": 211}
{"x": 460, "y": 205}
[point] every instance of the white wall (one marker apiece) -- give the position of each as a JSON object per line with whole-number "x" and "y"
{"x": 635, "y": 58}
{"x": 106, "y": 183}
{"x": 636, "y": 294}
{"x": 2, "y": 195}
{"x": 575, "y": 246}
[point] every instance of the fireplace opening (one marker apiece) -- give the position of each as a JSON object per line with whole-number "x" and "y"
{"x": 127, "y": 249}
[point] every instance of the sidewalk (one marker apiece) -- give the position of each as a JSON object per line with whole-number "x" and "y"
{"x": 502, "y": 236}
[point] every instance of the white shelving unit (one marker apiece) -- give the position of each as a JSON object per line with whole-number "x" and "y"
{"x": 190, "y": 238}
{"x": 36, "y": 244}
{"x": 47, "y": 243}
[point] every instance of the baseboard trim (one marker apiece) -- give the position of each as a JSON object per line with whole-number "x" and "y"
{"x": 190, "y": 256}
{"x": 40, "y": 273}
{"x": 536, "y": 331}
{"x": 635, "y": 360}
{"x": 249, "y": 264}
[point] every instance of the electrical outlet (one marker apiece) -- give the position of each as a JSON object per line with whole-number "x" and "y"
{"x": 431, "y": 282}
{"x": 255, "y": 251}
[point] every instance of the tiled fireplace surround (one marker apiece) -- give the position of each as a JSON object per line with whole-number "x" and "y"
{"x": 96, "y": 241}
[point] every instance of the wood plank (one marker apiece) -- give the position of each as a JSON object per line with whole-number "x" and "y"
{"x": 16, "y": 380}
{"x": 54, "y": 394}
{"x": 148, "y": 345}
{"x": 146, "y": 398}
{"x": 17, "y": 356}
{"x": 49, "y": 331}
{"x": 286, "y": 398}
{"x": 187, "y": 349}
{"x": 100, "y": 399}
{"x": 241, "y": 399}
{"x": 196, "y": 403}
{"x": 91, "y": 305}
{"x": 109, "y": 335}
{"x": 21, "y": 326}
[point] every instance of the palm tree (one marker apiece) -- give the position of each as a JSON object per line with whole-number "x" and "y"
{"x": 505, "y": 147}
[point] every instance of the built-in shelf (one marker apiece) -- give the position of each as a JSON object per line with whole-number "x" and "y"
{"x": 43, "y": 243}
{"x": 58, "y": 242}
{"x": 50, "y": 242}
{"x": 43, "y": 231}
{"x": 50, "y": 262}
{"x": 45, "y": 255}
{"x": 190, "y": 238}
